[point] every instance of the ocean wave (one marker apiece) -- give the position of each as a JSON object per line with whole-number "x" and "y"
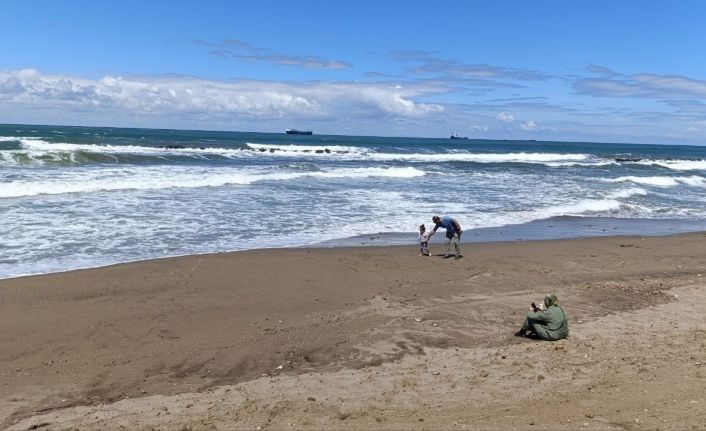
{"x": 11, "y": 139}
{"x": 38, "y": 150}
{"x": 612, "y": 205}
{"x": 457, "y": 156}
{"x": 401, "y": 211}
{"x": 155, "y": 178}
{"x": 482, "y": 157}
{"x": 661, "y": 181}
{"x": 626, "y": 193}
{"x": 39, "y": 145}
{"x": 608, "y": 207}
{"x": 677, "y": 165}
{"x": 41, "y": 151}
{"x": 582, "y": 207}
{"x": 596, "y": 163}
{"x": 298, "y": 150}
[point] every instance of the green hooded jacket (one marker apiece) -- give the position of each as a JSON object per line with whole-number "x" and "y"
{"x": 549, "y": 324}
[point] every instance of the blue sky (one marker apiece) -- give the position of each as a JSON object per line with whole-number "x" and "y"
{"x": 621, "y": 71}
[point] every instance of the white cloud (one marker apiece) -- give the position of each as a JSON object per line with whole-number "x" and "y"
{"x": 476, "y": 127}
{"x": 505, "y": 117}
{"x": 429, "y": 62}
{"x": 169, "y": 95}
{"x": 529, "y": 126}
{"x": 238, "y": 49}
{"x": 692, "y": 129}
{"x": 643, "y": 85}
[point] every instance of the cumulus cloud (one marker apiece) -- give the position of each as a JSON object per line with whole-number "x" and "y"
{"x": 166, "y": 95}
{"x": 503, "y": 116}
{"x": 509, "y": 118}
{"x": 241, "y": 50}
{"x": 528, "y": 126}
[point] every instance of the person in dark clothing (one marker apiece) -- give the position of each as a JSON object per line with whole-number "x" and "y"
{"x": 546, "y": 321}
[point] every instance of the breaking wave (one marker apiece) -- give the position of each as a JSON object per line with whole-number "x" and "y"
{"x": 36, "y": 150}
{"x": 155, "y": 178}
{"x": 677, "y": 165}
{"x": 661, "y": 181}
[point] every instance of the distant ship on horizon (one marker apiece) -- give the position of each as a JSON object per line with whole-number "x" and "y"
{"x": 298, "y": 132}
{"x": 455, "y": 135}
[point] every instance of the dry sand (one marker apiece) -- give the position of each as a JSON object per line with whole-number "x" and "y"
{"x": 360, "y": 338}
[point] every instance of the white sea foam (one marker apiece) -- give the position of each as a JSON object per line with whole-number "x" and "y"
{"x": 613, "y": 205}
{"x": 398, "y": 212}
{"x": 357, "y": 153}
{"x": 693, "y": 181}
{"x": 481, "y": 157}
{"x": 591, "y": 164}
{"x": 298, "y": 150}
{"x": 582, "y": 207}
{"x": 626, "y": 193}
{"x": 39, "y": 145}
{"x": 661, "y": 181}
{"x": 678, "y": 165}
{"x": 39, "y": 150}
{"x": 155, "y": 178}
{"x": 11, "y": 138}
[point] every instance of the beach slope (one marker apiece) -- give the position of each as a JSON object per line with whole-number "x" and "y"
{"x": 373, "y": 337}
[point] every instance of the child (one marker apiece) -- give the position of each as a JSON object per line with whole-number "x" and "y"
{"x": 423, "y": 241}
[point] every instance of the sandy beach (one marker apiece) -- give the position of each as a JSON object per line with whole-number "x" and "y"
{"x": 363, "y": 338}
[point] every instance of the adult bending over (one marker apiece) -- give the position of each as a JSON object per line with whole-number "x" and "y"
{"x": 453, "y": 233}
{"x": 546, "y": 321}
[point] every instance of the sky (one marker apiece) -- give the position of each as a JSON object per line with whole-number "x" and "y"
{"x": 603, "y": 71}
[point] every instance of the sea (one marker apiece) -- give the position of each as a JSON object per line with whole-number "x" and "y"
{"x": 78, "y": 197}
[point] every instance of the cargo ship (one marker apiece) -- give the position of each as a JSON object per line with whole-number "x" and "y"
{"x": 298, "y": 132}
{"x": 455, "y": 135}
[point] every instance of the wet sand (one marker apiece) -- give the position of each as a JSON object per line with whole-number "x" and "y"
{"x": 352, "y": 338}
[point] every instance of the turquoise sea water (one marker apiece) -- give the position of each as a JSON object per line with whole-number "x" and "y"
{"x": 75, "y": 197}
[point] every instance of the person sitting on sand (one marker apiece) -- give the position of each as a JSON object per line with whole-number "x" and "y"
{"x": 423, "y": 241}
{"x": 453, "y": 233}
{"x": 546, "y": 321}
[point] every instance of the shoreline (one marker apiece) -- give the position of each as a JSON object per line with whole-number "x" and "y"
{"x": 368, "y": 333}
{"x": 554, "y": 228}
